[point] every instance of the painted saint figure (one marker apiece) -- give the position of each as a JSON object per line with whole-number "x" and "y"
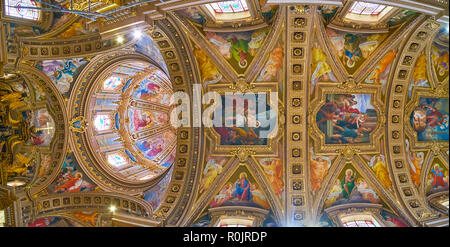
{"x": 347, "y": 184}
{"x": 242, "y": 188}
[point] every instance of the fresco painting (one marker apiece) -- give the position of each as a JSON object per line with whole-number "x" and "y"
{"x": 319, "y": 166}
{"x": 273, "y": 69}
{"x": 71, "y": 178}
{"x": 381, "y": 73}
{"x": 391, "y": 220}
{"x": 420, "y": 77}
{"x": 354, "y": 48}
{"x": 347, "y": 118}
{"x": 147, "y": 46}
{"x": 273, "y": 170}
{"x": 245, "y": 135}
{"x": 150, "y": 90}
{"x": 238, "y": 48}
{"x": 439, "y": 54}
{"x": 208, "y": 71}
{"x": 351, "y": 187}
{"x": 437, "y": 178}
{"x": 430, "y": 119}
{"x": 378, "y": 165}
{"x": 153, "y": 147}
{"x": 214, "y": 166}
{"x": 241, "y": 190}
{"x": 42, "y": 128}
{"x": 194, "y": 14}
{"x": 328, "y": 12}
{"x": 141, "y": 119}
{"x": 62, "y": 72}
{"x": 53, "y": 221}
{"x": 321, "y": 70}
{"x": 415, "y": 160}
{"x": 400, "y": 17}
{"x": 155, "y": 195}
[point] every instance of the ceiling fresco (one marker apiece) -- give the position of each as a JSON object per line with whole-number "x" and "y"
{"x": 345, "y": 119}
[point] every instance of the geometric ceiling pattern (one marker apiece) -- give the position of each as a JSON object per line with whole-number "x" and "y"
{"x": 344, "y": 123}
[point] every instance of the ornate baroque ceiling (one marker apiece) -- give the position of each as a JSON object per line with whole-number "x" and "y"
{"x": 357, "y": 92}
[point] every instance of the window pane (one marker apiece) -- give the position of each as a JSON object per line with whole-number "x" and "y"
{"x": 13, "y": 8}
{"x": 362, "y": 8}
{"x": 102, "y": 122}
{"x": 116, "y": 160}
{"x": 112, "y": 83}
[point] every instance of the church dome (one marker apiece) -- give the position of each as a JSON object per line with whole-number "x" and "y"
{"x": 130, "y": 131}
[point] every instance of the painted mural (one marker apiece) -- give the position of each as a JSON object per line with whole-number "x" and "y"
{"x": 141, "y": 119}
{"x": 350, "y": 187}
{"x": 62, "y": 72}
{"x": 273, "y": 69}
{"x": 268, "y": 11}
{"x": 415, "y": 160}
{"x": 347, "y": 118}
{"x": 44, "y": 164}
{"x": 321, "y": 70}
{"x": 328, "y": 12}
{"x": 150, "y": 90}
{"x": 153, "y": 147}
{"x": 381, "y": 73}
{"x": 439, "y": 54}
{"x": 391, "y": 220}
{"x": 155, "y": 195}
{"x": 194, "y": 14}
{"x": 238, "y": 48}
{"x": 273, "y": 170}
{"x": 53, "y": 221}
{"x": 208, "y": 71}
{"x": 71, "y": 178}
{"x": 401, "y": 17}
{"x": 420, "y": 77}
{"x": 354, "y": 48}
{"x": 319, "y": 167}
{"x": 42, "y": 128}
{"x": 203, "y": 221}
{"x": 437, "y": 178}
{"x": 213, "y": 167}
{"x": 241, "y": 133}
{"x": 241, "y": 190}
{"x": 77, "y": 28}
{"x": 378, "y": 165}
{"x": 430, "y": 119}
{"x": 147, "y": 46}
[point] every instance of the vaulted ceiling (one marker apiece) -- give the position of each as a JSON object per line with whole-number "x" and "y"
{"x": 353, "y": 127}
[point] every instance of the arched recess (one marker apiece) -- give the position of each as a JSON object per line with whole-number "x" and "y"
{"x": 177, "y": 53}
{"x": 203, "y": 203}
{"x": 398, "y": 119}
{"x": 370, "y": 179}
{"x": 81, "y": 144}
{"x": 59, "y": 144}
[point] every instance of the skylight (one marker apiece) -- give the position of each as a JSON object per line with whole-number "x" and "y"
{"x": 229, "y": 6}
{"x": 362, "y": 8}
{"x": 13, "y": 9}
